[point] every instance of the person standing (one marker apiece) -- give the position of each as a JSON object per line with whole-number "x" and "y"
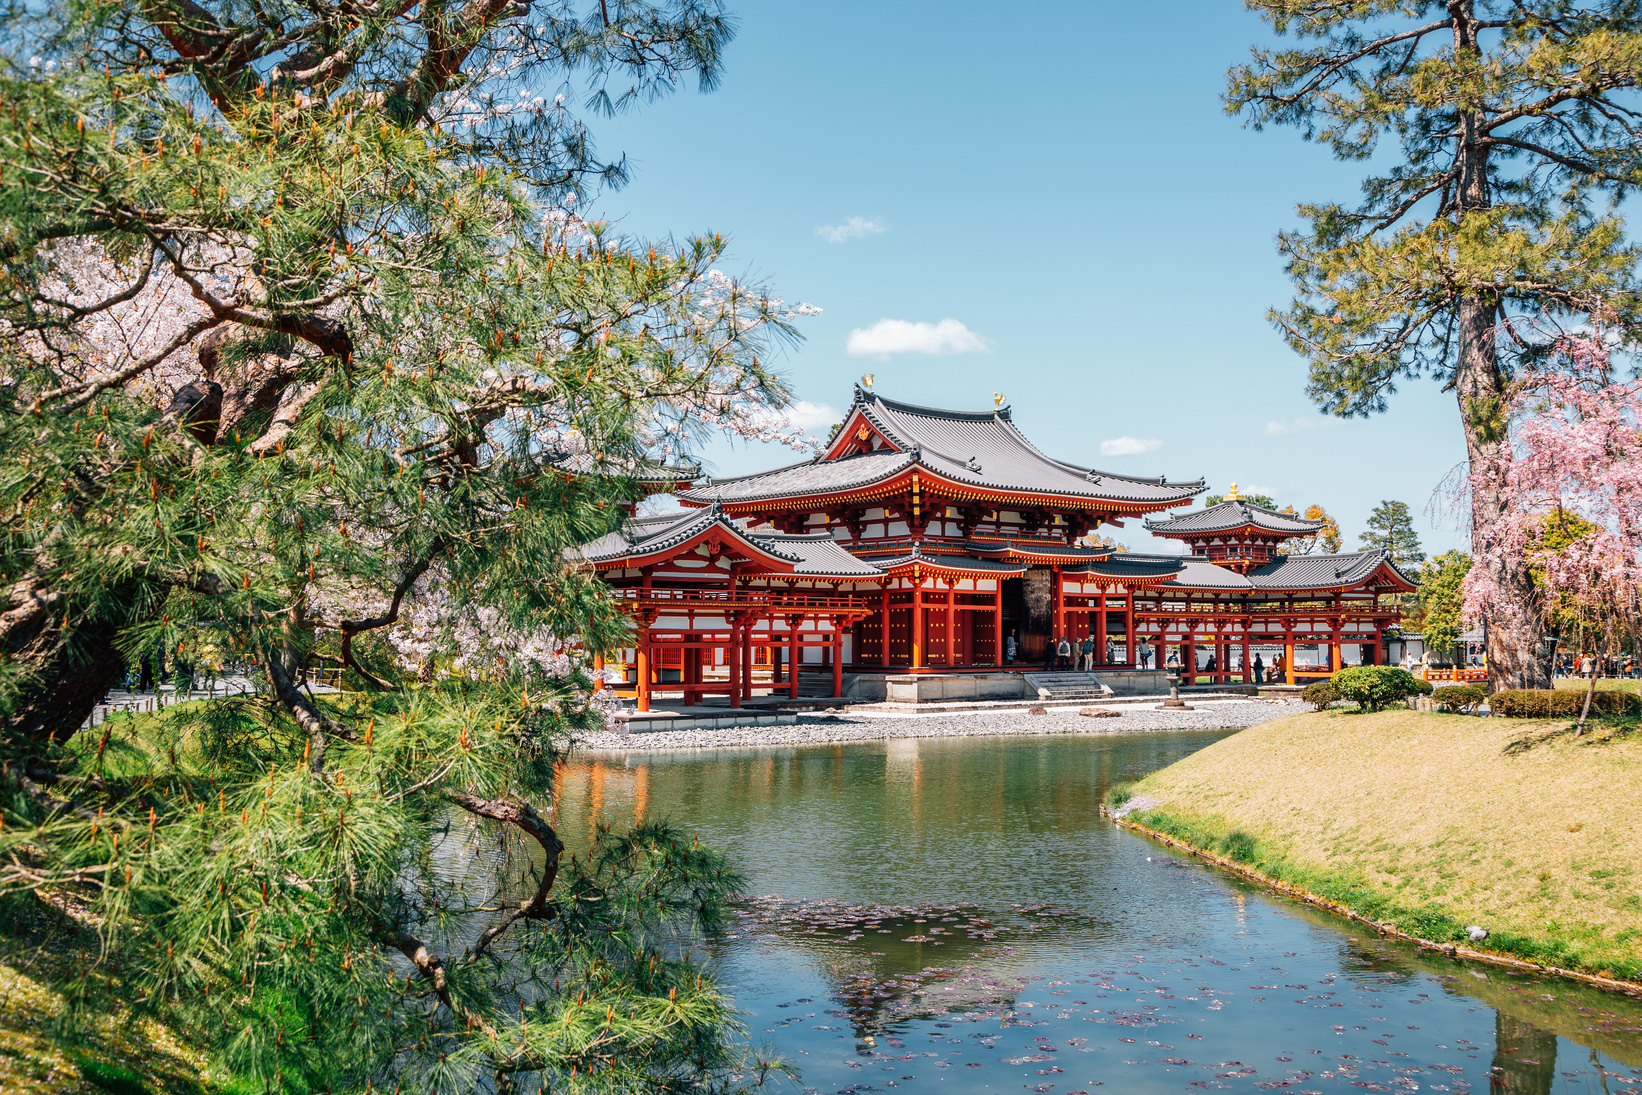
{"x": 1259, "y": 668}
{"x": 1064, "y": 653}
{"x": 1010, "y": 645}
{"x": 1587, "y": 665}
{"x": 1086, "y": 650}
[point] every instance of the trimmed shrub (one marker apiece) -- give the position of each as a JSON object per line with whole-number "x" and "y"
{"x": 1424, "y": 688}
{"x": 1374, "y": 687}
{"x": 1460, "y": 698}
{"x": 1559, "y": 703}
{"x": 1321, "y": 695}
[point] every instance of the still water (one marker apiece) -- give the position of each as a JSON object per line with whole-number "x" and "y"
{"x": 951, "y": 915}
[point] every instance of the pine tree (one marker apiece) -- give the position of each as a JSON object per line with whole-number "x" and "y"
{"x": 305, "y": 338}
{"x": 1265, "y": 501}
{"x": 1391, "y": 530}
{"x": 1516, "y": 130}
{"x": 1439, "y": 606}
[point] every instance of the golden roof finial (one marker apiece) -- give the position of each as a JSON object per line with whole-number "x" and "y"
{"x": 1232, "y": 496}
{"x": 866, "y": 380}
{"x": 997, "y": 400}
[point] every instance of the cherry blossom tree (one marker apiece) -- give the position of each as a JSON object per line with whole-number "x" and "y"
{"x": 1574, "y": 460}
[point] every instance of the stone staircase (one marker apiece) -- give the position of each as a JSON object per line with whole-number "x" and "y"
{"x": 817, "y": 685}
{"x": 1067, "y": 686}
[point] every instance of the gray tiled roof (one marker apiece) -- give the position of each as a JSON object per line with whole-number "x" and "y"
{"x": 647, "y": 535}
{"x": 1234, "y": 513}
{"x": 1197, "y": 574}
{"x": 981, "y": 449}
{"x": 1287, "y": 574}
{"x": 1320, "y": 571}
{"x": 957, "y": 562}
{"x": 815, "y": 555}
{"x": 1057, "y": 548}
{"x": 954, "y": 442}
{"x": 1132, "y": 565}
{"x": 811, "y": 477}
{"x": 819, "y": 555}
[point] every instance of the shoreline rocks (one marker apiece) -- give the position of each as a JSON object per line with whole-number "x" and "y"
{"x": 828, "y": 729}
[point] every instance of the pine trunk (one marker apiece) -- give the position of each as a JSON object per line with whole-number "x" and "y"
{"x": 63, "y": 675}
{"x": 1513, "y": 632}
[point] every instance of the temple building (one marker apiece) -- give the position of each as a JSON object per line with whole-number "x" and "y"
{"x": 925, "y": 541}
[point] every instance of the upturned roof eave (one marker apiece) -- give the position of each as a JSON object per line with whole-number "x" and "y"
{"x": 981, "y": 491}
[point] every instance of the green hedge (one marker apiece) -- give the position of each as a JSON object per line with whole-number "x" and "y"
{"x": 1557, "y": 703}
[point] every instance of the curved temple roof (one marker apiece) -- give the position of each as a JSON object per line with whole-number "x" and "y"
{"x": 1293, "y": 574}
{"x": 1232, "y": 514}
{"x": 981, "y": 449}
{"x": 645, "y": 538}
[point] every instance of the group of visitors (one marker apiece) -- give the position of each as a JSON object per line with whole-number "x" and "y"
{"x": 1587, "y": 665}
{"x": 1068, "y": 653}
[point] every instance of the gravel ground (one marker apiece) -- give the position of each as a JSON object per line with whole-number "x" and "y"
{"x": 812, "y": 729}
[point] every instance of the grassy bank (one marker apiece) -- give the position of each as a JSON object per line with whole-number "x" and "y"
{"x": 1431, "y": 822}
{"x": 43, "y": 1051}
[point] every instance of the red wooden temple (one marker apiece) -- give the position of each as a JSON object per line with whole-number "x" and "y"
{"x": 921, "y": 540}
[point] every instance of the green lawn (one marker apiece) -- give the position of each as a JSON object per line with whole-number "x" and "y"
{"x": 1601, "y": 683}
{"x": 1434, "y": 822}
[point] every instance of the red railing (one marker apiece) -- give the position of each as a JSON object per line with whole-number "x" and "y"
{"x": 1458, "y": 673}
{"x": 746, "y": 598}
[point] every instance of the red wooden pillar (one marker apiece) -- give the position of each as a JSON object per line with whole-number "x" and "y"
{"x": 1248, "y": 666}
{"x": 1099, "y": 629}
{"x": 1129, "y": 626}
{"x": 951, "y": 625}
{"x": 642, "y": 655}
{"x": 883, "y": 625}
{"x": 1288, "y": 652}
{"x": 997, "y": 623}
{"x": 917, "y": 623}
{"x": 1057, "y": 612}
{"x": 794, "y": 654}
{"x": 598, "y": 672}
{"x": 732, "y": 656}
{"x": 837, "y": 657}
{"x": 747, "y": 661}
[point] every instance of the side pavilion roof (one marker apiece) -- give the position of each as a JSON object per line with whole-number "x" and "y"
{"x": 641, "y": 541}
{"x": 1232, "y": 515}
{"x": 1295, "y": 574}
{"x": 980, "y": 451}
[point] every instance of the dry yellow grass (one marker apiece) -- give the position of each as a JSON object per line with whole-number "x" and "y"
{"x": 1432, "y": 812}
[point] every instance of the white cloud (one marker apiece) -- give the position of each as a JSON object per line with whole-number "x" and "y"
{"x": 812, "y": 418}
{"x": 898, "y": 336}
{"x": 853, "y": 229}
{"x": 1285, "y": 427}
{"x": 1129, "y": 446}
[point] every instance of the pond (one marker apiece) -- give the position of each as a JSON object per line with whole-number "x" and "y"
{"x": 951, "y": 915}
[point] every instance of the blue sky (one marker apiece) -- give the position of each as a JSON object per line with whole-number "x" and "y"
{"x": 1062, "y": 183}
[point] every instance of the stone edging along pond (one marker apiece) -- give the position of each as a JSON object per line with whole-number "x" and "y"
{"x": 1611, "y": 984}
